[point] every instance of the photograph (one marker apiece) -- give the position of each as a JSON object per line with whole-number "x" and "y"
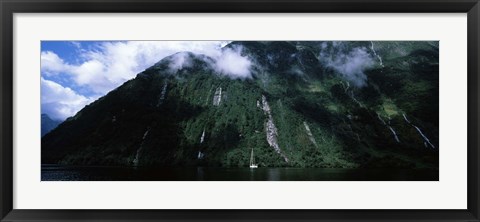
{"x": 333, "y": 110}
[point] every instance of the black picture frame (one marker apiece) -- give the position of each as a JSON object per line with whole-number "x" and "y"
{"x": 9, "y": 7}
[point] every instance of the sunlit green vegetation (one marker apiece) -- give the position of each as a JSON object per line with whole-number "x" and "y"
{"x": 131, "y": 123}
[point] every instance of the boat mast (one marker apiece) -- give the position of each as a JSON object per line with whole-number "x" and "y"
{"x": 251, "y": 158}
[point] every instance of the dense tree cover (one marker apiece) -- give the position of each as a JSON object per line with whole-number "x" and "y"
{"x": 162, "y": 118}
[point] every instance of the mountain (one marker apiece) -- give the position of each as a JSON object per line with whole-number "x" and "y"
{"x": 303, "y": 104}
{"x": 48, "y": 124}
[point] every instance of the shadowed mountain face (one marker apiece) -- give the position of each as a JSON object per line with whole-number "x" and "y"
{"x": 302, "y": 104}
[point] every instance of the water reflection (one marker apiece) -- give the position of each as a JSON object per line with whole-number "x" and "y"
{"x": 252, "y": 174}
{"x": 273, "y": 174}
{"x": 72, "y": 173}
{"x": 200, "y": 173}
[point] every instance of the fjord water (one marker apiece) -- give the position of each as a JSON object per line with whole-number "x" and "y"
{"x": 95, "y": 173}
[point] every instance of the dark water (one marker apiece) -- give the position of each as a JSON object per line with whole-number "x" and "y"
{"x": 77, "y": 173}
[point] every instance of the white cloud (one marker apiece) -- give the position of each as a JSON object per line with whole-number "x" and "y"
{"x": 179, "y": 61}
{"x": 51, "y": 64}
{"x": 109, "y": 64}
{"x": 76, "y": 44}
{"x": 227, "y": 62}
{"x": 233, "y": 64}
{"x": 92, "y": 74}
{"x": 350, "y": 64}
{"x": 60, "y": 102}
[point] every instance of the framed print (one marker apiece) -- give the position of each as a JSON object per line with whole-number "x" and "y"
{"x": 252, "y": 111}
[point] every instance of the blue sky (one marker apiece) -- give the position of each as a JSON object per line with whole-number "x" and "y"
{"x": 76, "y": 73}
{"x": 70, "y": 53}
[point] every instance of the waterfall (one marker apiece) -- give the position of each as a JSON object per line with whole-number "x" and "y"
{"x": 200, "y": 155}
{"x": 217, "y": 97}
{"x": 354, "y": 99}
{"x": 162, "y": 94}
{"x": 380, "y": 118}
{"x": 208, "y": 96}
{"x": 272, "y": 133}
{"x": 405, "y": 117}
{"x": 301, "y": 62}
{"x": 310, "y": 135}
{"x": 145, "y": 134}
{"x": 202, "y": 137}
{"x": 390, "y": 128}
{"x": 425, "y": 139}
{"x": 265, "y": 106}
{"x": 375, "y": 53}
{"x": 394, "y": 134}
{"x": 271, "y": 130}
{"x": 140, "y": 148}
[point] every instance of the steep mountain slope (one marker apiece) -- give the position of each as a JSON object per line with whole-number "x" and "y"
{"x": 305, "y": 104}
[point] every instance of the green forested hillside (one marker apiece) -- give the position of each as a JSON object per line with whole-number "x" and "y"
{"x": 307, "y": 104}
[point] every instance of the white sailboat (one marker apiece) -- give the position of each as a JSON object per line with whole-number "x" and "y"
{"x": 252, "y": 161}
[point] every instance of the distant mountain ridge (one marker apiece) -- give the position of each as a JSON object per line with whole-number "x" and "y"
{"x": 48, "y": 124}
{"x": 306, "y": 104}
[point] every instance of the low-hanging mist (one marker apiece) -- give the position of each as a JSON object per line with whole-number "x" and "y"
{"x": 225, "y": 61}
{"x": 285, "y": 102}
{"x": 349, "y": 63}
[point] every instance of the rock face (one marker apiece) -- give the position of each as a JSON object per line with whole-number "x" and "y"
{"x": 217, "y": 98}
{"x": 310, "y": 135}
{"x": 163, "y": 93}
{"x": 271, "y": 129}
{"x": 304, "y": 104}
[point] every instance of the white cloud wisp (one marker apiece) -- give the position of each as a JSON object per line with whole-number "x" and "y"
{"x": 109, "y": 64}
{"x": 349, "y": 64}
{"x": 60, "y": 102}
